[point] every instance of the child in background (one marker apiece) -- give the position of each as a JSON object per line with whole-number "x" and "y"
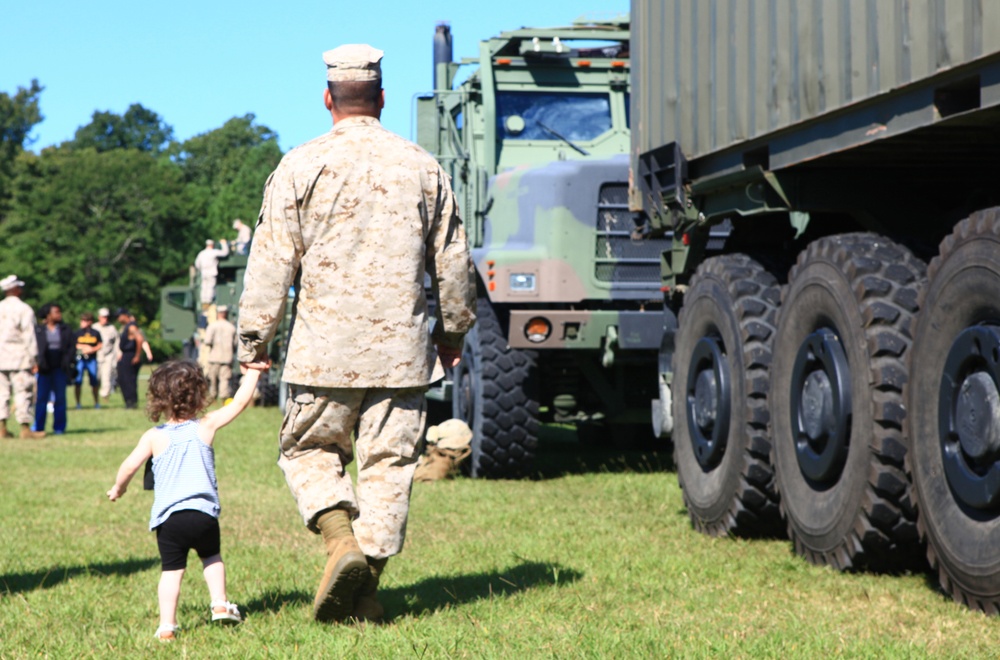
{"x": 186, "y": 497}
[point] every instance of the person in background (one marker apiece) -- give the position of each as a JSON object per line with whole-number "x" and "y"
{"x": 146, "y": 350}
{"x": 185, "y": 513}
{"x": 56, "y": 363}
{"x": 106, "y": 356}
{"x": 88, "y": 343}
{"x": 243, "y": 234}
{"x": 207, "y": 265}
{"x": 18, "y": 358}
{"x": 130, "y": 345}
{"x": 378, "y": 214}
{"x": 220, "y": 338}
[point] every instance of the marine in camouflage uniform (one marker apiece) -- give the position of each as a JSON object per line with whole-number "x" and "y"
{"x": 220, "y": 338}
{"x": 359, "y": 214}
{"x": 18, "y": 358}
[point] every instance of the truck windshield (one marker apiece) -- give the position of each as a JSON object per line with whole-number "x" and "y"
{"x": 573, "y": 116}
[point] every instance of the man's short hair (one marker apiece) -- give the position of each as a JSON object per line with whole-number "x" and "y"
{"x": 87, "y": 316}
{"x": 355, "y": 97}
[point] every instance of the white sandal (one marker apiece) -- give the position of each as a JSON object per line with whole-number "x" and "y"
{"x": 225, "y": 612}
{"x": 167, "y": 632}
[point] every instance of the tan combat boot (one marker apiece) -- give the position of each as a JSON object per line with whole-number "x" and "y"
{"x": 366, "y": 605}
{"x": 346, "y": 568}
{"x": 28, "y": 434}
{"x": 4, "y": 433}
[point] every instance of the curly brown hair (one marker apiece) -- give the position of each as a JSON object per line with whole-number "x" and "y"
{"x": 177, "y": 390}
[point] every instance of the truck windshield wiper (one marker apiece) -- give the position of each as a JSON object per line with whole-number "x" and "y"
{"x": 564, "y": 139}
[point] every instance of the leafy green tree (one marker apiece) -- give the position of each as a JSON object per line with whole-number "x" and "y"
{"x": 18, "y": 115}
{"x": 225, "y": 170}
{"x": 90, "y": 228}
{"x": 139, "y": 128}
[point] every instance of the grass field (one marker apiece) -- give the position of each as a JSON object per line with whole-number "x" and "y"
{"x": 592, "y": 558}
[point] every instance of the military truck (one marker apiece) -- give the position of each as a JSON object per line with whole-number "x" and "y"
{"x": 820, "y": 376}
{"x": 535, "y": 140}
{"x": 184, "y": 319}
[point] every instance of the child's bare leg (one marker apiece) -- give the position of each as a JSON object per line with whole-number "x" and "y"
{"x": 215, "y": 577}
{"x": 169, "y": 592}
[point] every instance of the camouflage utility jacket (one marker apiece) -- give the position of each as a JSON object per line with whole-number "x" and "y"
{"x": 360, "y": 214}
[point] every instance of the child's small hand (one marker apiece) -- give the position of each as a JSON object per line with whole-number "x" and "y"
{"x": 115, "y": 492}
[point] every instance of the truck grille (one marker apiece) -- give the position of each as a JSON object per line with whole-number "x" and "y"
{"x": 617, "y": 256}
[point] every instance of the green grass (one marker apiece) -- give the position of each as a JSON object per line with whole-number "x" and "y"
{"x": 593, "y": 558}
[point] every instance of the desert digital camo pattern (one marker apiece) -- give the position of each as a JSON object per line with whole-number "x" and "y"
{"x": 23, "y": 384}
{"x": 364, "y": 213}
{"x": 18, "y": 354}
{"x": 207, "y": 264}
{"x": 220, "y": 337}
{"x": 316, "y": 446}
{"x": 18, "y": 349}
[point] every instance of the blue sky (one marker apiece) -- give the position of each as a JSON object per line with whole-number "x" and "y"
{"x": 198, "y": 64}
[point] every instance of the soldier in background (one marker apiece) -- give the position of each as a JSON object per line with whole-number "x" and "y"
{"x": 207, "y": 265}
{"x": 379, "y": 213}
{"x": 242, "y": 242}
{"x": 220, "y": 338}
{"x": 107, "y": 355}
{"x": 18, "y": 358}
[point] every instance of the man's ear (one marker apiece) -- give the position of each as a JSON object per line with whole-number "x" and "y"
{"x": 381, "y": 99}
{"x": 327, "y": 99}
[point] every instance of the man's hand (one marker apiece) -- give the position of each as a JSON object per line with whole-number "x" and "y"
{"x": 115, "y": 492}
{"x": 450, "y": 357}
{"x": 135, "y": 360}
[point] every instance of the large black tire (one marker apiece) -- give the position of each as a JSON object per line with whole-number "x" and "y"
{"x": 836, "y": 402}
{"x": 496, "y": 394}
{"x": 720, "y": 388}
{"x": 954, "y": 419}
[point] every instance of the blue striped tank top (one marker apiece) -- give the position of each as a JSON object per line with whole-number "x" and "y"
{"x": 184, "y": 475}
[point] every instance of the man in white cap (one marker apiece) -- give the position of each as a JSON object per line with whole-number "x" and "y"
{"x": 18, "y": 358}
{"x": 360, "y": 214}
{"x": 107, "y": 355}
{"x": 207, "y": 265}
{"x": 220, "y": 339}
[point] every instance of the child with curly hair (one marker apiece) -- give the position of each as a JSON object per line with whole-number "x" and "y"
{"x": 186, "y": 495}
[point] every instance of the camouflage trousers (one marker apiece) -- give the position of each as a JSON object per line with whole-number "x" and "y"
{"x": 207, "y": 292}
{"x": 315, "y": 445}
{"x": 219, "y": 376}
{"x": 24, "y": 392}
{"x": 105, "y": 375}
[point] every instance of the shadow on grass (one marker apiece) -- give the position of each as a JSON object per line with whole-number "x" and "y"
{"x": 436, "y": 593}
{"x": 16, "y": 583}
{"x": 87, "y": 429}
{"x": 560, "y": 453}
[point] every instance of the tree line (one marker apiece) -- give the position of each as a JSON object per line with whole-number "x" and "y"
{"x": 119, "y": 211}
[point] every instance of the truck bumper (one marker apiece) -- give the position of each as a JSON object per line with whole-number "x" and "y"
{"x": 632, "y": 330}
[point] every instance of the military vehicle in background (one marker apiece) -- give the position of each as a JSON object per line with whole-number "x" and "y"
{"x": 536, "y": 142}
{"x": 821, "y": 378}
{"x": 184, "y": 320}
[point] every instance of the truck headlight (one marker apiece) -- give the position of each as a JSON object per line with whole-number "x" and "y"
{"x": 537, "y": 329}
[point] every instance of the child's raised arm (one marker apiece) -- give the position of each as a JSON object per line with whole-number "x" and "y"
{"x": 216, "y": 419}
{"x": 131, "y": 465}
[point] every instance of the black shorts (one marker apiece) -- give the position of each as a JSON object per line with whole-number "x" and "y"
{"x": 184, "y": 530}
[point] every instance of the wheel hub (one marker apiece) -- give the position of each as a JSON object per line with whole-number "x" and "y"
{"x": 821, "y": 406}
{"x": 969, "y": 417}
{"x": 706, "y": 400}
{"x": 709, "y": 400}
